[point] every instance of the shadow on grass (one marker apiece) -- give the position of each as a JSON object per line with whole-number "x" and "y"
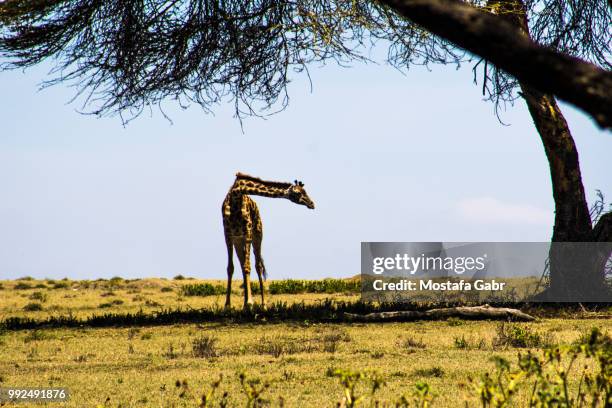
{"x": 327, "y": 311}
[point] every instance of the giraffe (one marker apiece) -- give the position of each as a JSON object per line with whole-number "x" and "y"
{"x": 242, "y": 226}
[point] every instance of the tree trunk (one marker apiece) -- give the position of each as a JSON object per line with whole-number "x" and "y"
{"x": 576, "y": 271}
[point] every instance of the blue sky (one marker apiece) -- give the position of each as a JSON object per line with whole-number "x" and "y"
{"x": 385, "y": 157}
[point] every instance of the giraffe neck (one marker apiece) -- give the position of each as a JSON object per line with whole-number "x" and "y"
{"x": 253, "y": 186}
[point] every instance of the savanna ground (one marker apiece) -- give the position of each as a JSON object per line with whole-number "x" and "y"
{"x": 292, "y": 362}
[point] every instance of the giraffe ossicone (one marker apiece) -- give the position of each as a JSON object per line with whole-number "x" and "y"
{"x": 243, "y": 228}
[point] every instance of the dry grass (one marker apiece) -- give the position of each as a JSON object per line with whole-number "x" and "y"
{"x": 139, "y": 367}
{"x": 86, "y": 298}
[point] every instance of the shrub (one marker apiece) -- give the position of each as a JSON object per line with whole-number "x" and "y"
{"x": 548, "y": 379}
{"x": 61, "y": 285}
{"x": 585, "y": 338}
{"x": 22, "y": 286}
{"x": 454, "y": 321}
{"x": 274, "y": 348}
{"x": 515, "y": 335}
{"x": 292, "y": 286}
{"x": 202, "y": 289}
{"x": 112, "y": 303}
{"x": 461, "y": 343}
{"x": 170, "y": 352}
{"x": 279, "y": 346}
{"x": 253, "y": 390}
{"x": 179, "y": 277}
{"x": 330, "y": 342}
{"x": 435, "y": 371}
{"x": 464, "y": 344}
{"x": 37, "y": 335}
{"x": 26, "y": 278}
{"x": 204, "y": 347}
{"x": 38, "y": 296}
{"x": 33, "y": 307}
{"x": 167, "y": 289}
{"x": 350, "y": 381}
{"x": 411, "y": 343}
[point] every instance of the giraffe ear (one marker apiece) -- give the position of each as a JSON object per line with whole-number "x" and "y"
{"x": 295, "y": 182}
{"x": 300, "y": 184}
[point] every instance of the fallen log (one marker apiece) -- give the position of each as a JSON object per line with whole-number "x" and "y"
{"x": 467, "y": 312}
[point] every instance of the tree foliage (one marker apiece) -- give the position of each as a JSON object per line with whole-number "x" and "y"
{"x": 127, "y": 55}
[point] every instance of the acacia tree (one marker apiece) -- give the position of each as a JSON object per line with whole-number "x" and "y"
{"x": 128, "y": 55}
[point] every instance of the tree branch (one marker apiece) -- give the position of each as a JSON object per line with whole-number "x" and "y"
{"x": 572, "y": 80}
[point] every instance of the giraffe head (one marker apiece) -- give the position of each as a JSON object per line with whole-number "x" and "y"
{"x": 297, "y": 194}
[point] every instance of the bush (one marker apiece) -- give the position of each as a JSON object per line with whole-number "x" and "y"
{"x": 39, "y": 296}
{"x": 464, "y": 344}
{"x": 26, "y": 278}
{"x": 332, "y": 340}
{"x": 411, "y": 343}
{"x": 277, "y": 347}
{"x": 549, "y": 379}
{"x": 515, "y": 335}
{"x": 461, "y": 343}
{"x": 37, "y": 335}
{"x": 179, "y": 277}
{"x": 435, "y": 371}
{"x": 167, "y": 289}
{"x": 202, "y": 289}
{"x": 61, "y": 285}
{"x": 22, "y": 286}
{"x": 33, "y": 307}
{"x": 204, "y": 347}
{"x": 292, "y": 286}
{"x": 454, "y": 321}
{"x": 171, "y": 352}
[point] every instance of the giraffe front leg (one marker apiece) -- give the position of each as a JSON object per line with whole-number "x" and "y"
{"x": 230, "y": 271}
{"x": 244, "y": 255}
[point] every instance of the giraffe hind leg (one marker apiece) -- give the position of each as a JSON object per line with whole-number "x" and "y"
{"x": 243, "y": 250}
{"x": 259, "y": 265}
{"x": 230, "y": 270}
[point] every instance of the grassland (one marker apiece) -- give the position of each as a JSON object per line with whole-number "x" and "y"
{"x": 139, "y": 366}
